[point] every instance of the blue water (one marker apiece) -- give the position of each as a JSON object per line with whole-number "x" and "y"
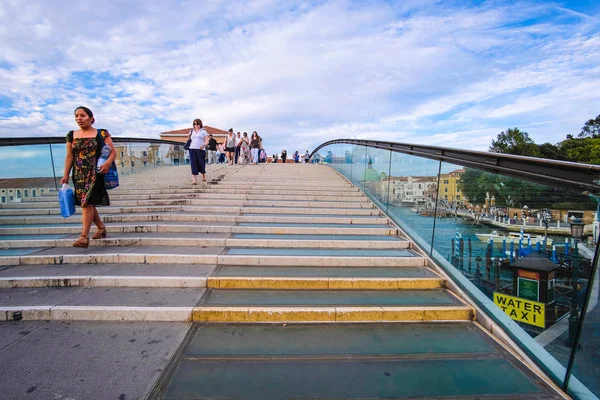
{"x": 445, "y": 231}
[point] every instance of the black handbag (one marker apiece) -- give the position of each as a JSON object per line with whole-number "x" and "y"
{"x": 187, "y": 144}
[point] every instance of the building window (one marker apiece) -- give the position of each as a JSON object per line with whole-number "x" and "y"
{"x": 122, "y": 164}
{"x": 445, "y": 181}
{"x": 145, "y": 153}
{"x": 18, "y": 194}
{"x": 122, "y": 154}
{"x": 34, "y": 193}
{"x": 26, "y": 193}
{"x": 4, "y": 199}
{"x": 445, "y": 190}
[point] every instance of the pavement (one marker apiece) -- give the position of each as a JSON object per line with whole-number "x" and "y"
{"x": 85, "y": 360}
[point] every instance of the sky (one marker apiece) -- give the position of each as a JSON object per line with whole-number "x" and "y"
{"x": 442, "y": 73}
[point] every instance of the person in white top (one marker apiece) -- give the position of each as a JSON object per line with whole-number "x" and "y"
{"x": 199, "y": 139}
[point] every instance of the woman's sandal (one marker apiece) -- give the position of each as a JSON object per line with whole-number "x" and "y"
{"x": 83, "y": 241}
{"x": 100, "y": 233}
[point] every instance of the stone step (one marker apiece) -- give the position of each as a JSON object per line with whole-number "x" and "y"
{"x": 199, "y": 240}
{"x": 276, "y": 306}
{"x": 216, "y": 190}
{"x": 208, "y": 305}
{"x": 321, "y": 283}
{"x": 217, "y": 202}
{"x": 200, "y": 217}
{"x": 133, "y": 208}
{"x": 213, "y": 227}
{"x": 99, "y": 303}
{"x": 228, "y": 277}
{"x": 238, "y": 197}
{"x": 106, "y": 275}
{"x": 212, "y": 255}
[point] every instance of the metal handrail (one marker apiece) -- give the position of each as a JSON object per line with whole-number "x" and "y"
{"x": 29, "y": 141}
{"x": 540, "y": 170}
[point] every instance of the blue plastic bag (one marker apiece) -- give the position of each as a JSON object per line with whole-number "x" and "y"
{"x": 66, "y": 199}
{"x": 111, "y": 178}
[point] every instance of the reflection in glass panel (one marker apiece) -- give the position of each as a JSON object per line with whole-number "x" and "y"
{"x": 138, "y": 157}
{"x": 375, "y": 180}
{"x": 412, "y": 196}
{"x": 588, "y": 353}
{"x": 26, "y": 171}
{"x": 507, "y": 236}
{"x": 358, "y": 164}
{"x": 512, "y": 237}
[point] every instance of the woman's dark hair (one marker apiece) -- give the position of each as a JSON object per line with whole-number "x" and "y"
{"x": 245, "y": 134}
{"x": 254, "y": 133}
{"x": 198, "y": 122}
{"x": 88, "y": 112}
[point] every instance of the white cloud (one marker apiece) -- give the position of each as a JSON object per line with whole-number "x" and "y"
{"x": 301, "y": 73}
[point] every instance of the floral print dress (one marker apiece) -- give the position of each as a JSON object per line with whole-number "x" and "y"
{"x": 245, "y": 153}
{"x": 89, "y": 185}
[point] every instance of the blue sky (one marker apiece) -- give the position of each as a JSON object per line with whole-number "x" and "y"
{"x": 446, "y": 73}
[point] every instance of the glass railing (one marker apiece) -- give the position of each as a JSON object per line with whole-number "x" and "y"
{"x": 504, "y": 238}
{"x": 33, "y": 167}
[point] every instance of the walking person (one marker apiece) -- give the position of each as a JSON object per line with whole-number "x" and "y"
{"x": 255, "y": 145}
{"x": 199, "y": 138}
{"x": 84, "y": 147}
{"x": 230, "y": 148}
{"x": 296, "y": 157}
{"x": 245, "y": 153}
{"x": 306, "y": 157}
{"x": 262, "y": 156}
{"x": 283, "y": 156}
{"x": 211, "y": 148}
{"x": 238, "y": 147}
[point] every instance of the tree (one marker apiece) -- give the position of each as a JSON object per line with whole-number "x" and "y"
{"x": 591, "y": 128}
{"x": 513, "y": 141}
{"x": 584, "y": 150}
{"x": 550, "y": 151}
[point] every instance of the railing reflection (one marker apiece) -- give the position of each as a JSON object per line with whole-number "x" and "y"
{"x": 33, "y": 170}
{"x": 505, "y": 239}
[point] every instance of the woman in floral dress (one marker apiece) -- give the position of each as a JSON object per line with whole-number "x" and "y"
{"x": 245, "y": 152}
{"x": 83, "y": 149}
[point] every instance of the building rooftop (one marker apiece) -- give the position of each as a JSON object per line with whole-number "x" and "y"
{"x": 8, "y": 183}
{"x": 186, "y": 131}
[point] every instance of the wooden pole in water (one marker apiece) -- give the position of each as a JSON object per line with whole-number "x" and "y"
{"x": 470, "y": 253}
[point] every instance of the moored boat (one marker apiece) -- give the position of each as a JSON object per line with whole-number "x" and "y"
{"x": 498, "y": 237}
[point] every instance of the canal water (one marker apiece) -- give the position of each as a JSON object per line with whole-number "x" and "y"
{"x": 445, "y": 231}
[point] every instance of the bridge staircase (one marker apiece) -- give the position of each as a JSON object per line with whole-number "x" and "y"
{"x": 294, "y": 284}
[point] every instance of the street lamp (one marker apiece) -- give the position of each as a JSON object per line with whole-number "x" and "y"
{"x": 576, "y": 233}
{"x": 546, "y": 219}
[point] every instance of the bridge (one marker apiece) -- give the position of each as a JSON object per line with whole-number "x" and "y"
{"x": 268, "y": 281}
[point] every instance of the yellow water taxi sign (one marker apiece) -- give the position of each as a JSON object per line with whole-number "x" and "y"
{"x": 527, "y": 311}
